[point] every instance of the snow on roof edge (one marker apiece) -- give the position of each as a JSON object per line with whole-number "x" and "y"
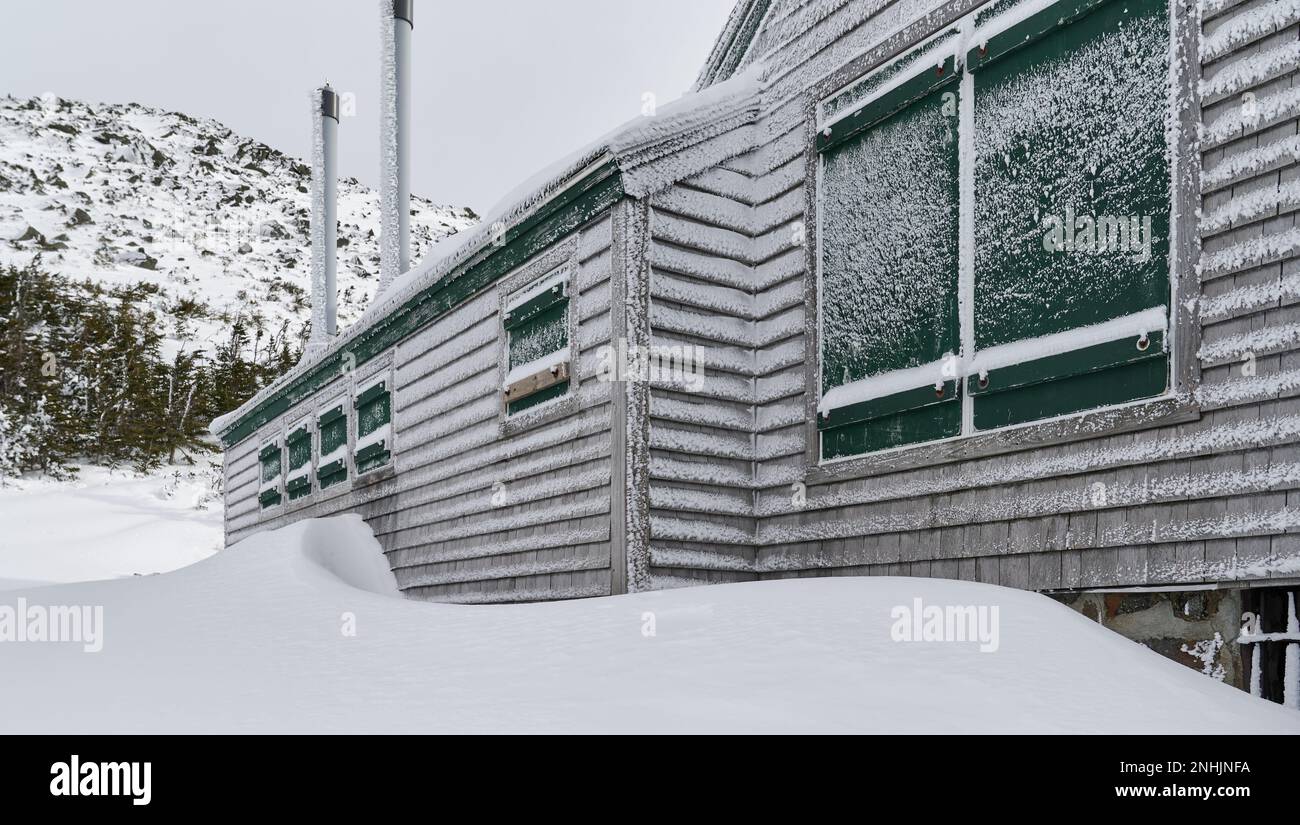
{"x": 690, "y": 112}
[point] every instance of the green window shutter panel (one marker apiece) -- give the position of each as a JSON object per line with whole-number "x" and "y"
{"x": 911, "y": 417}
{"x": 299, "y": 450}
{"x": 372, "y": 457}
{"x": 535, "y": 306}
{"x": 327, "y": 475}
{"x": 1070, "y": 128}
{"x": 373, "y": 414}
{"x": 333, "y": 434}
{"x": 1070, "y": 364}
{"x": 333, "y": 426}
{"x": 1033, "y": 402}
{"x": 331, "y": 415}
{"x": 374, "y": 410}
{"x": 298, "y": 487}
{"x": 551, "y": 392}
{"x": 892, "y": 430}
{"x": 270, "y": 465}
{"x": 889, "y": 245}
{"x": 1074, "y": 121}
{"x": 1026, "y": 31}
{"x": 924, "y": 84}
{"x": 371, "y": 393}
{"x": 543, "y": 333}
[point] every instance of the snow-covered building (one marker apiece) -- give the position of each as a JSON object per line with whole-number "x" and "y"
{"x": 1002, "y": 291}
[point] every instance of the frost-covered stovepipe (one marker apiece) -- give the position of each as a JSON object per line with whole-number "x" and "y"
{"x": 324, "y": 218}
{"x": 396, "y": 23}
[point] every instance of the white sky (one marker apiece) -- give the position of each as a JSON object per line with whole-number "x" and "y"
{"x": 501, "y": 87}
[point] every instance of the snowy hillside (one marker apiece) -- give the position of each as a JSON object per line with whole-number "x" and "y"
{"x": 300, "y": 630}
{"x": 123, "y": 194}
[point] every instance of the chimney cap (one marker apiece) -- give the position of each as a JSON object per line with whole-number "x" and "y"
{"x": 404, "y": 10}
{"x": 329, "y": 102}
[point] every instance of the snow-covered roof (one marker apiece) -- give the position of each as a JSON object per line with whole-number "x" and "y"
{"x": 651, "y": 152}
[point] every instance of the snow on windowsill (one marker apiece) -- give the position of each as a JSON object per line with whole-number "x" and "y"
{"x": 885, "y": 384}
{"x": 384, "y": 434}
{"x": 333, "y": 455}
{"x": 546, "y": 362}
{"x": 1137, "y": 325}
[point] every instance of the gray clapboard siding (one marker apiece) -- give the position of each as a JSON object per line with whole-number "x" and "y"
{"x": 1025, "y": 518}
{"x": 445, "y": 533}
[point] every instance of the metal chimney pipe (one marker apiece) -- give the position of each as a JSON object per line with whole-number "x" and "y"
{"x": 397, "y": 23}
{"x": 324, "y": 218}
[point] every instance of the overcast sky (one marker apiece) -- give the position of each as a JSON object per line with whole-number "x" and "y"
{"x": 501, "y": 87}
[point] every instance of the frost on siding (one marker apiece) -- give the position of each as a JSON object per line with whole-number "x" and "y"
{"x": 889, "y": 236}
{"x": 1252, "y": 206}
{"x": 1083, "y": 132}
{"x": 1252, "y": 162}
{"x": 1248, "y": 26}
{"x": 1251, "y": 69}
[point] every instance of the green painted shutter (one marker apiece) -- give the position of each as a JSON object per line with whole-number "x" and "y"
{"x": 889, "y": 245}
{"x": 299, "y": 449}
{"x": 270, "y": 460}
{"x": 1070, "y": 122}
{"x": 536, "y": 329}
{"x": 333, "y": 427}
{"x": 374, "y": 410}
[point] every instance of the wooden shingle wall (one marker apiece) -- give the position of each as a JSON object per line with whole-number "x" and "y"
{"x": 472, "y": 514}
{"x": 1213, "y": 498}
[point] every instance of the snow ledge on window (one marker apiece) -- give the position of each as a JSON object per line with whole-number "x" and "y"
{"x": 522, "y": 371}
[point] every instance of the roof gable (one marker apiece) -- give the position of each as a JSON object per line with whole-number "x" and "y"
{"x": 734, "y": 42}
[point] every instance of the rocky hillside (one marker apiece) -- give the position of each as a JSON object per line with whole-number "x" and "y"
{"x": 209, "y": 221}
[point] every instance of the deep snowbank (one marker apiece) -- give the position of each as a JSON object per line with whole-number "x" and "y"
{"x": 256, "y": 639}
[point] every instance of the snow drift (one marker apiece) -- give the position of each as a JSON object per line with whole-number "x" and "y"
{"x": 260, "y": 638}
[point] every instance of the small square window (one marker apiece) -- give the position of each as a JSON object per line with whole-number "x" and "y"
{"x": 333, "y": 466}
{"x": 374, "y": 406}
{"x": 537, "y": 344}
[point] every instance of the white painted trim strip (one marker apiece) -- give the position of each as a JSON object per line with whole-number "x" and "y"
{"x": 888, "y": 383}
{"x": 1134, "y": 326}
